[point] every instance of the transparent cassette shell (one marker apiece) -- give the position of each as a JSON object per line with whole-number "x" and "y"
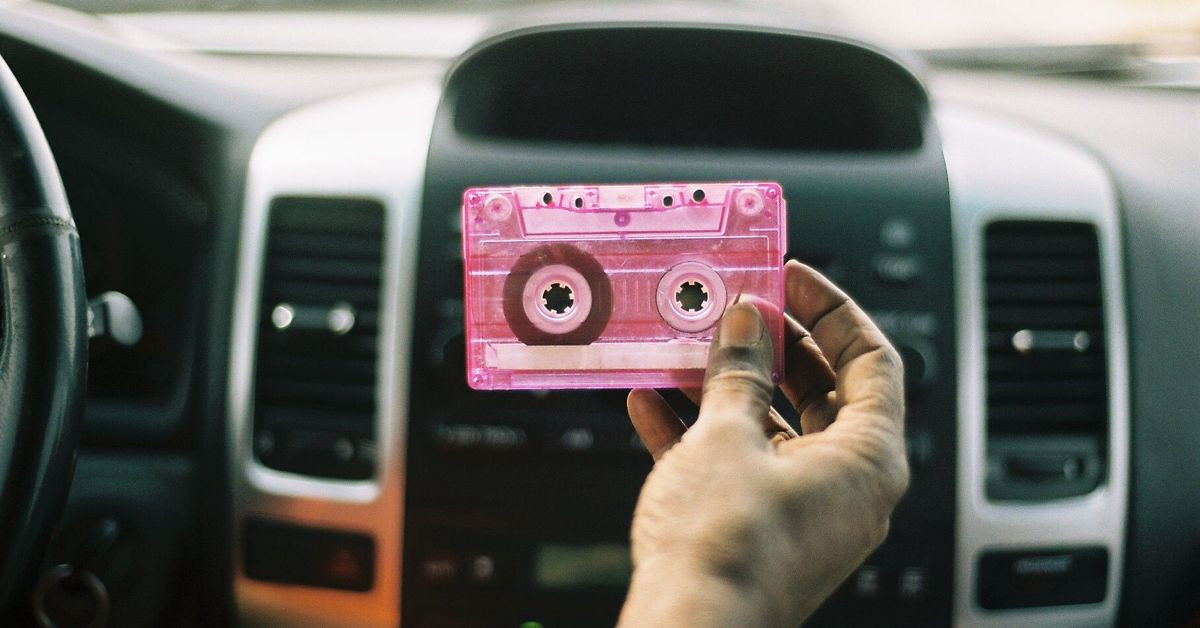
{"x": 614, "y": 286}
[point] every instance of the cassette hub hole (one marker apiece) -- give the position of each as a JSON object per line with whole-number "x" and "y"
{"x": 558, "y": 298}
{"x": 691, "y": 297}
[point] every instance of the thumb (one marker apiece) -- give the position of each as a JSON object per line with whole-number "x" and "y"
{"x": 737, "y": 383}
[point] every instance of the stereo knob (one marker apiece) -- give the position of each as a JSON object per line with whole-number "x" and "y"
{"x": 920, "y": 362}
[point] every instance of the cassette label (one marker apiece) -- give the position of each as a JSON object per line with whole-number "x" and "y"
{"x": 614, "y": 286}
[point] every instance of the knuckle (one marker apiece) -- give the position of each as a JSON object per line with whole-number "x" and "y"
{"x": 884, "y": 490}
{"x": 890, "y": 360}
{"x": 719, "y": 432}
{"x": 739, "y": 381}
{"x": 890, "y": 470}
{"x": 879, "y": 533}
{"x": 735, "y": 358}
{"x": 894, "y": 480}
{"x": 734, "y": 539}
{"x": 886, "y": 473}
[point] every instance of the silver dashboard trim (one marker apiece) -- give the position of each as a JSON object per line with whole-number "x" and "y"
{"x": 999, "y": 169}
{"x": 368, "y": 145}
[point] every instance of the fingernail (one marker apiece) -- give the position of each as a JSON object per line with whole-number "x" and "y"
{"x": 741, "y": 327}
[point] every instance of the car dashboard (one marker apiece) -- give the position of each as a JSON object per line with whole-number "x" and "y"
{"x": 272, "y": 467}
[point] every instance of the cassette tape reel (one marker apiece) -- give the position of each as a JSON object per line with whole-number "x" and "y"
{"x": 614, "y": 286}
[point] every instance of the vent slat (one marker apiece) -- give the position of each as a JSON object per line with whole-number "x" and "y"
{"x": 1061, "y": 411}
{"x": 326, "y": 270}
{"x": 1044, "y": 317}
{"x": 303, "y": 366}
{"x": 322, "y": 293}
{"x": 322, "y": 391}
{"x": 359, "y": 344}
{"x": 1023, "y": 244}
{"x": 1045, "y": 268}
{"x": 1049, "y": 365}
{"x": 1000, "y": 340}
{"x": 315, "y": 390}
{"x": 324, "y": 245}
{"x": 1043, "y": 292}
{"x": 1047, "y": 372}
{"x": 1032, "y": 388}
{"x": 340, "y": 216}
{"x": 294, "y": 416}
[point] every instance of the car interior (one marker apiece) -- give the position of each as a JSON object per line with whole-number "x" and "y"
{"x": 232, "y": 370}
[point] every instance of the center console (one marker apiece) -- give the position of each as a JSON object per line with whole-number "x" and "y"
{"x": 371, "y": 486}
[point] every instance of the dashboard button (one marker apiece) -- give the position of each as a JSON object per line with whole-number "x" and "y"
{"x": 325, "y": 453}
{"x": 578, "y": 439}
{"x": 264, "y": 443}
{"x": 343, "y": 449}
{"x": 278, "y": 552}
{"x": 480, "y": 436}
{"x": 912, "y": 583}
{"x": 897, "y": 233}
{"x": 898, "y": 269}
{"x": 919, "y": 445}
{"x": 1042, "y": 577}
{"x": 483, "y": 569}
{"x": 439, "y": 568}
{"x": 920, "y": 362}
{"x": 868, "y": 581}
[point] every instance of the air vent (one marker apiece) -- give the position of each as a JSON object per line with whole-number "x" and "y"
{"x": 1047, "y": 379}
{"x": 318, "y": 338}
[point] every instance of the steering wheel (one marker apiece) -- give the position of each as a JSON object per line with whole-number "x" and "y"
{"x": 43, "y": 343}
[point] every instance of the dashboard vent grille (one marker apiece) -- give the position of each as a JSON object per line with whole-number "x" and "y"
{"x": 1047, "y": 379}
{"x": 315, "y": 382}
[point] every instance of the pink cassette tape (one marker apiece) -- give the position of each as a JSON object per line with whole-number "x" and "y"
{"x": 614, "y": 286}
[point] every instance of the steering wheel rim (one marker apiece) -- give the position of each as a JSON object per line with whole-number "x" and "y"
{"x": 43, "y": 343}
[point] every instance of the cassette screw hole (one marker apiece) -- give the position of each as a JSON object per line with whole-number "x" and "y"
{"x": 558, "y": 298}
{"x": 497, "y": 207}
{"x": 698, "y": 196}
{"x": 692, "y": 296}
{"x": 750, "y": 202}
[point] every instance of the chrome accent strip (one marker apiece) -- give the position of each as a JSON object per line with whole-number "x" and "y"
{"x": 370, "y": 145}
{"x": 999, "y": 169}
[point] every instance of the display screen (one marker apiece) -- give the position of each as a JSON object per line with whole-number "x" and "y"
{"x": 561, "y": 566}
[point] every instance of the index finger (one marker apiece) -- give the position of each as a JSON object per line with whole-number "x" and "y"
{"x": 869, "y": 372}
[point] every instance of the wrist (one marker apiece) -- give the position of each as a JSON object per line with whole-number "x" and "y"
{"x": 666, "y": 592}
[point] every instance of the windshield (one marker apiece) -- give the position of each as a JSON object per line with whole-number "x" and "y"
{"x": 1168, "y": 25}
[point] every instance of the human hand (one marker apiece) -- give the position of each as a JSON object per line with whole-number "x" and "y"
{"x": 744, "y": 522}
